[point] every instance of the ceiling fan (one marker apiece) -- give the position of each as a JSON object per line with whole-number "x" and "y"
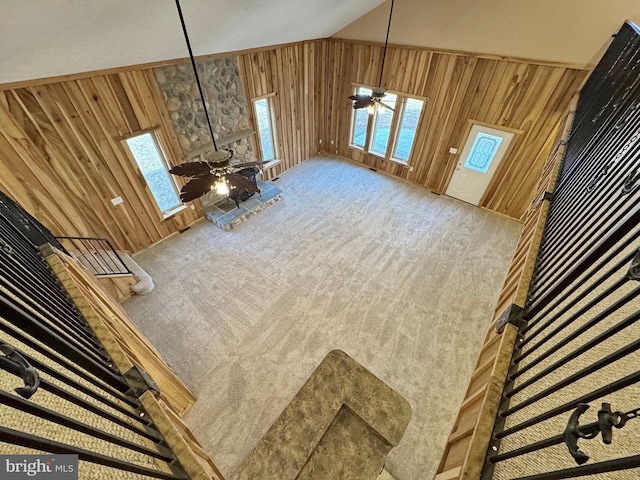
{"x": 217, "y": 171}
{"x": 377, "y": 94}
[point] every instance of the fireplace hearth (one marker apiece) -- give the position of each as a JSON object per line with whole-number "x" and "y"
{"x": 224, "y": 213}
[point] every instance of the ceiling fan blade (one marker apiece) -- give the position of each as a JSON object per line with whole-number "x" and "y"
{"x": 360, "y": 97}
{"x": 363, "y": 103}
{"x": 191, "y": 169}
{"x": 196, "y": 187}
{"x": 386, "y": 106}
{"x": 241, "y": 182}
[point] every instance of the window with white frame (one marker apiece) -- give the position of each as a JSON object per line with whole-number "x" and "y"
{"x": 152, "y": 163}
{"x": 266, "y": 132}
{"x": 387, "y": 129}
{"x": 360, "y": 122}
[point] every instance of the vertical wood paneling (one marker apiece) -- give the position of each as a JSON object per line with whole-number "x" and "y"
{"x": 295, "y": 73}
{"x": 506, "y": 93}
{"x": 63, "y": 158}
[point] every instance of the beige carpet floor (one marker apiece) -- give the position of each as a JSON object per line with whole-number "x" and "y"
{"x": 401, "y": 279}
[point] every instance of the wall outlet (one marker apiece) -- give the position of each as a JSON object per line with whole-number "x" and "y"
{"x": 320, "y": 141}
{"x": 332, "y": 142}
{"x": 117, "y": 201}
{"x": 193, "y": 207}
{"x": 411, "y": 169}
{"x": 453, "y": 150}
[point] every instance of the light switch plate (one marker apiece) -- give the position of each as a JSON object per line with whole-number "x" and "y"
{"x": 117, "y": 201}
{"x": 453, "y": 150}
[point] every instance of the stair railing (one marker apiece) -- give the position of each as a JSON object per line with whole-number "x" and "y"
{"x": 96, "y": 254}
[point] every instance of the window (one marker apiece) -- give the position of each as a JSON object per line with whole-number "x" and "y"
{"x": 153, "y": 166}
{"x": 264, "y": 119}
{"x": 383, "y": 117}
{"x": 383, "y": 131}
{"x": 360, "y": 122}
{"x": 407, "y": 129}
{"x": 482, "y": 152}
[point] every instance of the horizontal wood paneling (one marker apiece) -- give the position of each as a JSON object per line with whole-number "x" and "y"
{"x": 511, "y": 94}
{"x": 62, "y": 158}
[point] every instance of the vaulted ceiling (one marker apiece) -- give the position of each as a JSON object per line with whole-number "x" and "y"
{"x": 44, "y": 38}
{"x": 565, "y": 31}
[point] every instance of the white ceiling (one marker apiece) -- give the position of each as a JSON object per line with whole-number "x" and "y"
{"x": 45, "y": 38}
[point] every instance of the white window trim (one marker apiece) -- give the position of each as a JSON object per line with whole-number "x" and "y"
{"x": 272, "y": 117}
{"x": 163, "y": 154}
{"x": 173, "y": 211}
{"x": 400, "y": 112}
{"x": 393, "y": 134}
{"x": 352, "y": 125}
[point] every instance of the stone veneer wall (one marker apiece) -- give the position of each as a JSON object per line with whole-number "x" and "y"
{"x": 227, "y": 107}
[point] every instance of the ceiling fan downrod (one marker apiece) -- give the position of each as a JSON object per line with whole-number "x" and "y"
{"x": 386, "y": 42}
{"x": 197, "y": 77}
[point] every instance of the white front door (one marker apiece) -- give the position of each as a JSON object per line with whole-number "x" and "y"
{"x": 479, "y": 159}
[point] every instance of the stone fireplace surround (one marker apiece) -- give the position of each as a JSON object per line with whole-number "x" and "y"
{"x": 226, "y": 105}
{"x": 228, "y": 112}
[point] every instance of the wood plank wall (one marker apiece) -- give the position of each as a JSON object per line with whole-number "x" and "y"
{"x": 121, "y": 338}
{"x": 293, "y": 74}
{"x": 62, "y": 155}
{"x": 63, "y": 160}
{"x": 467, "y": 445}
{"x": 507, "y": 93}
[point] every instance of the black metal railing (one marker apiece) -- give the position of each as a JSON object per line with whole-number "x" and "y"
{"x": 65, "y": 388}
{"x": 578, "y": 336}
{"x": 27, "y": 227}
{"x": 96, "y": 254}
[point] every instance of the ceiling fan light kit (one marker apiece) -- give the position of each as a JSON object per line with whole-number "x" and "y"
{"x": 221, "y": 187}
